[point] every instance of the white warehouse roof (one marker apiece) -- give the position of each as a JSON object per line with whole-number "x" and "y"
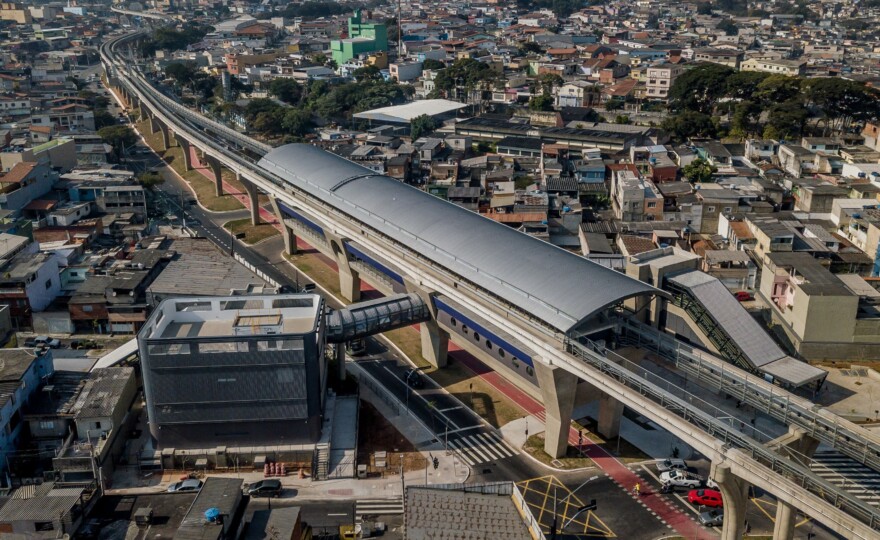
{"x": 408, "y": 111}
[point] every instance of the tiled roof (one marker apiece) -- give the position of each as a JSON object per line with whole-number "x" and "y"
{"x": 18, "y": 173}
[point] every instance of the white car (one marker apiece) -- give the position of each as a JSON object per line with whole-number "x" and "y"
{"x": 679, "y": 478}
{"x": 670, "y": 464}
{"x": 46, "y": 341}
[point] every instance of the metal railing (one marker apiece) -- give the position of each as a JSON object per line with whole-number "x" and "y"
{"x": 705, "y": 417}
{"x": 766, "y": 397}
{"x": 705, "y": 422}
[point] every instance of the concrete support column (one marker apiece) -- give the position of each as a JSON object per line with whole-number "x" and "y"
{"x": 166, "y": 136}
{"x": 142, "y": 111}
{"x": 610, "y": 412}
{"x": 154, "y": 125}
{"x": 253, "y": 196}
{"x": 734, "y": 491}
{"x": 218, "y": 174}
{"x": 349, "y": 279}
{"x": 187, "y": 157}
{"x": 799, "y": 447}
{"x": 286, "y": 232}
{"x": 435, "y": 343}
{"x": 558, "y": 388}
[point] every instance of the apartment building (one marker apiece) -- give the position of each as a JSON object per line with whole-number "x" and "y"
{"x": 661, "y": 79}
{"x": 635, "y": 198}
{"x": 825, "y": 315}
{"x": 792, "y": 68}
{"x": 726, "y": 57}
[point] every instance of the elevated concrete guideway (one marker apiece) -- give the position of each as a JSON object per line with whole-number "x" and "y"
{"x": 539, "y": 329}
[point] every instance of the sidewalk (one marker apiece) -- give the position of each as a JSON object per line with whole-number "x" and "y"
{"x": 682, "y": 523}
{"x": 243, "y": 198}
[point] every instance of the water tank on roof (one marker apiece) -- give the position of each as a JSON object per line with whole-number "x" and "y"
{"x": 861, "y": 175}
{"x": 211, "y": 514}
{"x": 653, "y": 161}
{"x": 566, "y": 209}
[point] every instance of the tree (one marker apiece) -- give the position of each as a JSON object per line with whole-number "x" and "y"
{"x": 621, "y": 119}
{"x": 614, "y": 104}
{"x": 744, "y": 84}
{"x": 297, "y": 122}
{"x": 464, "y": 73}
{"x": 842, "y": 101}
{"x": 367, "y": 73}
{"x": 182, "y": 72}
{"x": 421, "y": 125}
{"x": 778, "y": 88}
{"x": 689, "y": 124}
{"x": 699, "y": 170}
{"x": 704, "y": 8}
{"x": 432, "y": 64}
{"x": 119, "y": 137}
{"x": 745, "y": 115}
{"x": 699, "y": 88}
{"x": 787, "y": 119}
{"x": 530, "y": 47}
{"x": 104, "y": 119}
{"x": 286, "y": 89}
{"x": 728, "y": 26}
{"x": 544, "y": 102}
{"x": 549, "y": 81}
{"x": 151, "y": 179}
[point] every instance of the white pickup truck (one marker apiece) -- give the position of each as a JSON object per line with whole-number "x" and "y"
{"x": 680, "y": 478}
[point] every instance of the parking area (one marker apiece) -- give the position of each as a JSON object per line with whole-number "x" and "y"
{"x": 760, "y": 513}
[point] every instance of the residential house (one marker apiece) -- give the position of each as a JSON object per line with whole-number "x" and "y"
{"x": 21, "y": 371}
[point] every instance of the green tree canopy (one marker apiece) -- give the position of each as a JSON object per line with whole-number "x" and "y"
{"x": 699, "y": 88}
{"x": 465, "y": 72}
{"x": 182, "y": 72}
{"x": 421, "y": 125}
{"x": 699, "y": 170}
{"x": 297, "y": 122}
{"x": 432, "y": 64}
{"x": 543, "y": 102}
{"x": 286, "y": 89}
{"x": 728, "y": 27}
{"x": 119, "y": 137}
{"x": 685, "y": 125}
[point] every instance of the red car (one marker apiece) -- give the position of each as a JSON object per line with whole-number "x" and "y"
{"x": 744, "y": 296}
{"x": 705, "y": 497}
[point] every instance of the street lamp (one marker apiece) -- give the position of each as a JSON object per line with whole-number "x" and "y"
{"x": 591, "y": 506}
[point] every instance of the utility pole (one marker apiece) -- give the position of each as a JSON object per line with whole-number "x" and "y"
{"x": 399, "y": 32}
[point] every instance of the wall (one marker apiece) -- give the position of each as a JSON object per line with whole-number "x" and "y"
{"x": 38, "y": 293}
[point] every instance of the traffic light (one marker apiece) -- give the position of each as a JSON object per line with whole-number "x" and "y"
{"x": 436, "y": 463}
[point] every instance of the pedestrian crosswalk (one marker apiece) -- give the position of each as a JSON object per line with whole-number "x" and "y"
{"x": 377, "y": 507}
{"x": 482, "y": 448}
{"x": 852, "y": 476}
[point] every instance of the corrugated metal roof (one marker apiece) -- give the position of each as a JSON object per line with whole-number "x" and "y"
{"x": 754, "y": 342}
{"x": 560, "y": 288}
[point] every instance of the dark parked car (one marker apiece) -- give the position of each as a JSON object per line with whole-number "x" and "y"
{"x": 356, "y": 347}
{"x": 265, "y": 488}
{"x": 84, "y": 344}
{"x": 413, "y": 379}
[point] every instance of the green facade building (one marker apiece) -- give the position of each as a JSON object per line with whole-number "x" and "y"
{"x": 363, "y": 37}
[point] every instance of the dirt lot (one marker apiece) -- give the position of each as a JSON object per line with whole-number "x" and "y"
{"x": 376, "y": 434}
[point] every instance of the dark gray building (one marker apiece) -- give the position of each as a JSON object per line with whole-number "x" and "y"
{"x": 234, "y": 371}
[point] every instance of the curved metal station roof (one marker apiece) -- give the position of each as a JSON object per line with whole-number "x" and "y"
{"x": 560, "y": 288}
